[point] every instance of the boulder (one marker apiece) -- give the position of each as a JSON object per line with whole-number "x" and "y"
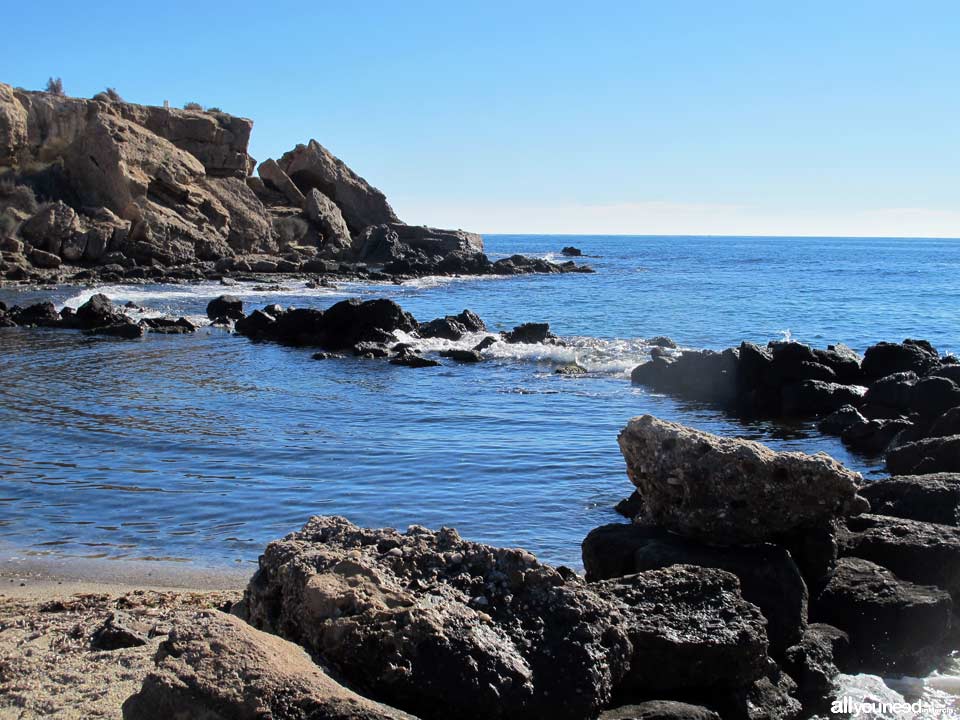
{"x": 894, "y": 626}
{"x": 452, "y": 327}
{"x": 571, "y": 251}
{"x": 228, "y": 307}
{"x": 378, "y": 245}
{"x": 922, "y": 457}
{"x": 813, "y": 664}
{"x": 886, "y": 358}
{"x": 434, "y": 241}
{"x": 274, "y": 177}
{"x": 51, "y": 226}
{"x": 840, "y": 420}
{"x": 43, "y": 259}
{"x": 313, "y": 166}
{"x": 462, "y": 356}
{"x": 42, "y": 314}
{"x": 931, "y": 397}
{"x": 703, "y": 375}
{"x": 816, "y": 397}
{"x": 530, "y": 333}
{"x": 894, "y": 391}
{"x": 413, "y": 360}
{"x": 249, "y": 227}
{"x": 219, "y": 668}
{"x": 442, "y": 627}
{"x": 929, "y": 498}
{"x": 921, "y": 552}
{"x": 768, "y": 576}
{"x": 99, "y": 311}
{"x": 325, "y": 214}
{"x": 690, "y": 630}
{"x": 947, "y": 424}
{"x": 571, "y": 370}
{"x": 727, "y": 490}
{"x": 844, "y": 362}
{"x": 873, "y": 437}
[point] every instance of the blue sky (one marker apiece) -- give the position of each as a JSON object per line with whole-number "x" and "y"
{"x": 810, "y": 118}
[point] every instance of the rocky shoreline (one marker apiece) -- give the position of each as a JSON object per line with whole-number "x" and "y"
{"x": 901, "y": 400}
{"x": 748, "y": 582}
{"x": 104, "y": 191}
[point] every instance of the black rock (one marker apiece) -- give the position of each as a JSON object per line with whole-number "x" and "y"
{"x": 530, "y": 333}
{"x": 921, "y": 552}
{"x": 452, "y": 327}
{"x": 571, "y": 251}
{"x": 97, "y": 312}
{"x": 928, "y": 498}
{"x": 413, "y": 361}
{"x": 485, "y": 343}
{"x": 933, "y": 396}
{"x": 169, "y": 325}
{"x": 893, "y": 624}
{"x": 571, "y": 370}
{"x": 813, "y": 664}
{"x": 947, "y": 424}
{"x": 815, "y": 397}
{"x": 630, "y": 507}
{"x": 464, "y": 356}
{"x": 127, "y": 330}
{"x": 886, "y": 358}
{"x": 42, "y": 314}
{"x": 225, "y": 306}
{"x": 768, "y": 576}
{"x": 873, "y": 437}
{"x": 841, "y": 419}
{"x": 922, "y": 457}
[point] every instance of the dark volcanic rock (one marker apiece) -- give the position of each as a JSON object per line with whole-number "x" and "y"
{"x": 530, "y": 333}
{"x": 933, "y": 396}
{"x": 690, "y": 630}
{"x": 127, "y": 330}
{"x": 816, "y": 397}
{"x": 726, "y": 490}
{"x": 921, "y": 552}
{"x": 894, "y": 391}
{"x": 571, "y": 370}
{"x": 452, "y": 327}
{"x": 463, "y": 356}
{"x": 219, "y": 668}
{"x": 922, "y": 457}
{"x": 840, "y": 420}
{"x": 571, "y": 251}
{"x": 630, "y": 507}
{"x": 443, "y": 627}
{"x": 812, "y": 663}
{"x": 873, "y": 437}
{"x": 886, "y": 358}
{"x": 227, "y": 307}
{"x": 99, "y": 311}
{"x": 705, "y": 375}
{"x": 42, "y": 314}
{"x": 928, "y": 498}
{"x": 768, "y": 576}
{"x": 413, "y": 360}
{"x": 894, "y": 625}
{"x": 947, "y": 424}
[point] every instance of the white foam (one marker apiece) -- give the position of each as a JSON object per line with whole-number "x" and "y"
{"x": 604, "y": 357}
{"x": 936, "y": 697}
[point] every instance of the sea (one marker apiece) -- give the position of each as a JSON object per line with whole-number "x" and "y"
{"x": 202, "y": 448}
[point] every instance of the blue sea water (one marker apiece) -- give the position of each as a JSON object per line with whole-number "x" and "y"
{"x": 205, "y": 447}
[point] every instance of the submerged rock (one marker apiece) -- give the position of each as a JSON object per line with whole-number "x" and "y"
{"x": 220, "y": 668}
{"x": 726, "y": 490}
{"x": 225, "y": 307}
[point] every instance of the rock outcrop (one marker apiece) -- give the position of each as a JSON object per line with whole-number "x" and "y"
{"x": 148, "y": 193}
{"x": 728, "y": 490}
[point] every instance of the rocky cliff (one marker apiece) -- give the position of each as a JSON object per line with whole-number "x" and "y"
{"x": 95, "y": 187}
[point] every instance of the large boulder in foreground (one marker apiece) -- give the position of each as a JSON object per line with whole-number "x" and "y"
{"x": 219, "y": 668}
{"x": 442, "y": 627}
{"x": 313, "y": 166}
{"x": 731, "y": 491}
{"x": 439, "y": 626}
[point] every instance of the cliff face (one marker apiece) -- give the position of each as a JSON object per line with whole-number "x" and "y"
{"x": 139, "y": 188}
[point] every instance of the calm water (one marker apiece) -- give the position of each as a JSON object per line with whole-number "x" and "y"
{"x": 205, "y": 447}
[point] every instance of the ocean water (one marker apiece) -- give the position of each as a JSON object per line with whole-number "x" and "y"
{"x": 203, "y": 448}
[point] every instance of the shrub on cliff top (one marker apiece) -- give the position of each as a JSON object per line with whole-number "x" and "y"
{"x": 193, "y": 106}
{"x": 109, "y": 95}
{"x": 17, "y": 196}
{"x": 55, "y": 86}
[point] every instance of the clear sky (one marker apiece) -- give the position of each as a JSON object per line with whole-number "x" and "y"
{"x": 787, "y": 118}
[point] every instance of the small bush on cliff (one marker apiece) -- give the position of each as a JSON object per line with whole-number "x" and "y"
{"x": 17, "y": 196}
{"x": 8, "y": 226}
{"x": 214, "y": 110}
{"x": 55, "y": 86}
{"x": 109, "y": 95}
{"x": 193, "y": 106}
